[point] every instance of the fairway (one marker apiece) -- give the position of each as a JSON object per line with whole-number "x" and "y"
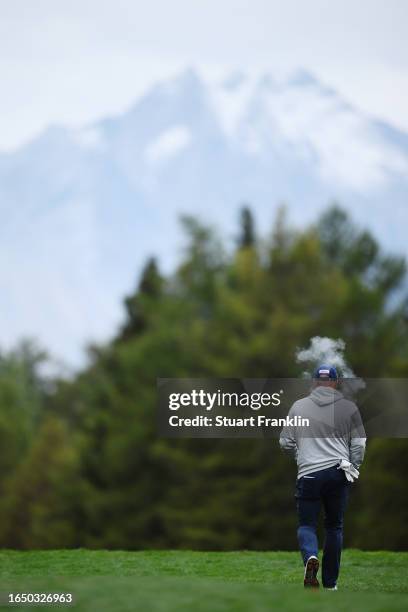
{"x": 183, "y": 580}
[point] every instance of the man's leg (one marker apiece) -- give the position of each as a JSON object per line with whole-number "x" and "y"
{"x": 308, "y": 507}
{"x": 334, "y": 495}
{"x": 308, "y": 513}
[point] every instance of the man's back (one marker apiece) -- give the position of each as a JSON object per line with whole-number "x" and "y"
{"x": 335, "y": 431}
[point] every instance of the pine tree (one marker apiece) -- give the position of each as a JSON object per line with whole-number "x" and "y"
{"x": 139, "y": 304}
{"x": 247, "y": 236}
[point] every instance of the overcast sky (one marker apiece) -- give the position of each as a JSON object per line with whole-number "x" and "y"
{"x": 73, "y": 61}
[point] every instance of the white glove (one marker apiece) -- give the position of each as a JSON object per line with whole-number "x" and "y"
{"x": 350, "y": 471}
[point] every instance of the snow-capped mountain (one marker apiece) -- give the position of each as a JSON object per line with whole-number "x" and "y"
{"x": 82, "y": 208}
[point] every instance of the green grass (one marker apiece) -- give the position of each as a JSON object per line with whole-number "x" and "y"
{"x": 181, "y": 581}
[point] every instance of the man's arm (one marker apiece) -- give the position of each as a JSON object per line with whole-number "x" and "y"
{"x": 357, "y": 440}
{"x": 357, "y": 451}
{"x": 287, "y": 440}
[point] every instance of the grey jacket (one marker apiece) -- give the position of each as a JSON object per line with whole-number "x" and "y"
{"x": 335, "y": 432}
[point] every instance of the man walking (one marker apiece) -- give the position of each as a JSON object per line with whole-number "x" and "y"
{"x": 328, "y": 453}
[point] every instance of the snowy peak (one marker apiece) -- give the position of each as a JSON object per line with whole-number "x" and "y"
{"x": 90, "y": 203}
{"x": 312, "y": 124}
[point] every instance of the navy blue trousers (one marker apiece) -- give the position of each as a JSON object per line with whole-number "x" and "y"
{"x": 327, "y": 488}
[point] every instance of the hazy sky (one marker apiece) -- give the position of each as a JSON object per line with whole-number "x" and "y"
{"x": 73, "y": 61}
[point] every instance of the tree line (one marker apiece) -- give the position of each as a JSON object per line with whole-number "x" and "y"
{"x": 81, "y": 462}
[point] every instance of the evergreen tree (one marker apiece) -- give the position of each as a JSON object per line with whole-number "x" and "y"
{"x": 43, "y": 498}
{"x": 139, "y": 305}
{"x": 247, "y": 234}
{"x": 22, "y": 395}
